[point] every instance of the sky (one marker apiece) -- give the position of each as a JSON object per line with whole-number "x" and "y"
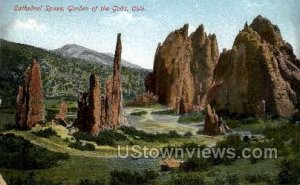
{"x": 141, "y": 31}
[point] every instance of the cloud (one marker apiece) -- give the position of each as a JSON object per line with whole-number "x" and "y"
{"x": 124, "y": 19}
{"x": 28, "y": 24}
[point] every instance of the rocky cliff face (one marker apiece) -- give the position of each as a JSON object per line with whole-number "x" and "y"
{"x": 30, "y": 99}
{"x": 261, "y": 67}
{"x": 259, "y": 76}
{"x": 183, "y": 68}
{"x": 95, "y": 112}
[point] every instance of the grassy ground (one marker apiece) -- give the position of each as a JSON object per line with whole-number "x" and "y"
{"x": 99, "y": 163}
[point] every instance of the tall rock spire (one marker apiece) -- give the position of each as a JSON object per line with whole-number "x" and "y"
{"x": 30, "y": 99}
{"x": 116, "y": 85}
{"x": 95, "y": 112}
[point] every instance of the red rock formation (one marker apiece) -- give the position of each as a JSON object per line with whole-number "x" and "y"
{"x": 89, "y": 108}
{"x": 145, "y": 99}
{"x": 189, "y": 73}
{"x": 61, "y": 117}
{"x": 30, "y": 99}
{"x": 260, "y": 66}
{"x": 213, "y": 124}
{"x": 94, "y": 105}
{"x": 183, "y": 68}
{"x": 95, "y": 112}
{"x": 82, "y": 113}
{"x": 116, "y": 100}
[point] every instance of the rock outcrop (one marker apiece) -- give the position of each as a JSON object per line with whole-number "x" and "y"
{"x": 61, "y": 117}
{"x": 183, "y": 68}
{"x": 213, "y": 124}
{"x": 146, "y": 99}
{"x": 96, "y": 112}
{"x": 30, "y": 99}
{"x": 116, "y": 97}
{"x": 261, "y": 67}
{"x": 259, "y": 76}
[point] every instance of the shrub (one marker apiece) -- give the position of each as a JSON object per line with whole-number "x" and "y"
{"x": 82, "y": 146}
{"x": 187, "y": 179}
{"x": 194, "y": 117}
{"x": 196, "y": 164}
{"x": 105, "y": 137}
{"x": 289, "y": 171}
{"x": 258, "y": 178}
{"x": 30, "y": 180}
{"x": 19, "y": 153}
{"x": 46, "y": 133}
{"x": 140, "y": 113}
{"x": 91, "y": 182}
{"x": 232, "y": 141}
{"x": 165, "y": 112}
{"x": 131, "y": 131}
{"x": 127, "y": 177}
{"x": 188, "y": 134}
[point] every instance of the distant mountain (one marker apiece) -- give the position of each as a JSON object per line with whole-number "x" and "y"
{"x": 80, "y": 52}
{"x": 62, "y": 76}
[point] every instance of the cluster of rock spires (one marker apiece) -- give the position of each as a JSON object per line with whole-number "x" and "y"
{"x": 259, "y": 76}
{"x": 30, "y": 99}
{"x": 183, "y": 69}
{"x": 96, "y": 112}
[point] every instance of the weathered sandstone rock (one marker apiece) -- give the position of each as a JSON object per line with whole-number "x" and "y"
{"x": 183, "y": 68}
{"x": 61, "y": 117}
{"x": 146, "y": 99}
{"x": 260, "y": 66}
{"x": 213, "y": 124}
{"x": 96, "y": 112}
{"x": 116, "y": 100}
{"x": 30, "y": 99}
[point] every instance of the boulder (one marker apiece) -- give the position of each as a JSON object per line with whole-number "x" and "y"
{"x": 213, "y": 124}
{"x": 30, "y": 99}
{"x": 170, "y": 164}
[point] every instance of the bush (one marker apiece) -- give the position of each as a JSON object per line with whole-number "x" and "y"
{"x": 82, "y": 146}
{"x": 258, "y": 178}
{"x": 105, "y": 137}
{"x": 91, "y": 182}
{"x": 19, "y": 153}
{"x": 140, "y": 113}
{"x": 165, "y": 112}
{"x": 131, "y": 131}
{"x": 127, "y": 177}
{"x": 289, "y": 171}
{"x": 187, "y": 179}
{"x": 30, "y": 180}
{"x": 232, "y": 179}
{"x": 196, "y": 164}
{"x": 46, "y": 133}
{"x": 188, "y": 134}
{"x": 194, "y": 117}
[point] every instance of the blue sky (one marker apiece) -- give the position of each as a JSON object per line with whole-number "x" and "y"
{"x": 141, "y": 31}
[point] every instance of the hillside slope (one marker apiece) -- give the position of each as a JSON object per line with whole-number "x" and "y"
{"x": 62, "y": 77}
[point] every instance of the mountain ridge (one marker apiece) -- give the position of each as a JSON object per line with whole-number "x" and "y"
{"x": 81, "y": 52}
